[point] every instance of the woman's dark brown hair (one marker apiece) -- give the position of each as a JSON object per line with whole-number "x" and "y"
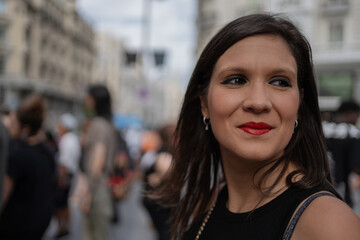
{"x": 193, "y": 179}
{"x": 102, "y": 99}
{"x": 31, "y": 113}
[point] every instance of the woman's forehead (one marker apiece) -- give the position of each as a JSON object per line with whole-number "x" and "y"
{"x": 265, "y": 50}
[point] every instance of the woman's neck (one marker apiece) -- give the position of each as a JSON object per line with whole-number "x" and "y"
{"x": 246, "y": 189}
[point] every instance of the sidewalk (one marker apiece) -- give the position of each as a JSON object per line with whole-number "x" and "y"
{"x": 134, "y": 223}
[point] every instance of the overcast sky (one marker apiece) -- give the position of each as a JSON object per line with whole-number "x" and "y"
{"x": 172, "y": 25}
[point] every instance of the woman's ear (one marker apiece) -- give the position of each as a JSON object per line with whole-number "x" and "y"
{"x": 204, "y": 107}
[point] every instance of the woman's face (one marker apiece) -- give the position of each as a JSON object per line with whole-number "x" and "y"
{"x": 89, "y": 106}
{"x": 89, "y": 102}
{"x": 253, "y": 99}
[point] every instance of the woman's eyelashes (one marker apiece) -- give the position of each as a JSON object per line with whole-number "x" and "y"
{"x": 281, "y": 82}
{"x": 239, "y": 80}
{"x": 235, "y": 80}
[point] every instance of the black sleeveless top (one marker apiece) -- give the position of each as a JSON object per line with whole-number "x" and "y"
{"x": 266, "y": 222}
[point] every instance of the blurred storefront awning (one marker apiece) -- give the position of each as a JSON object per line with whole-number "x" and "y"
{"x": 122, "y": 121}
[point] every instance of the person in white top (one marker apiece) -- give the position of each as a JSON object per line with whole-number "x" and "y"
{"x": 68, "y": 159}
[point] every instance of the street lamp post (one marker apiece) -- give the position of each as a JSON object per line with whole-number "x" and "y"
{"x": 145, "y": 60}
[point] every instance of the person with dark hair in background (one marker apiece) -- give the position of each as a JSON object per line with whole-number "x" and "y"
{"x": 348, "y": 112}
{"x": 4, "y": 139}
{"x": 5, "y": 115}
{"x": 68, "y": 162}
{"x": 99, "y": 155}
{"x": 343, "y": 142}
{"x": 153, "y": 175}
{"x": 30, "y": 180}
{"x": 251, "y": 160}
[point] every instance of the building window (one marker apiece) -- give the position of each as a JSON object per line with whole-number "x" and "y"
{"x": 328, "y": 3}
{"x": 2, "y": 35}
{"x": 287, "y": 3}
{"x": 43, "y": 71}
{"x": 2, "y": 65}
{"x": 44, "y": 42}
{"x": 336, "y": 32}
{"x": 28, "y": 36}
{"x": 26, "y": 64}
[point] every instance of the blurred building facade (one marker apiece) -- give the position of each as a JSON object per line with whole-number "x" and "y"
{"x": 140, "y": 92}
{"x": 214, "y": 14}
{"x": 46, "y": 47}
{"x": 331, "y": 27}
{"x": 107, "y": 65}
{"x": 149, "y": 91}
{"x": 118, "y": 69}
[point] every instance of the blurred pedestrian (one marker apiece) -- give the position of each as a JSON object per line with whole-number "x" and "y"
{"x": 50, "y": 140}
{"x": 30, "y": 180}
{"x": 5, "y": 115}
{"x": 11, "y": 125}
{"x": 99, "y": 155}
{"x": 343, "y": 142}
{"x": 4, "y": 139}
{"x": 150, "y": 145}
{"x": 68, "y": 162}
{"x": 122, "y": 175}
{"x": 154, "y": 175}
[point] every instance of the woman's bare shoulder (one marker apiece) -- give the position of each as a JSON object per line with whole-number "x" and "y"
{"x": 328, "y": 218}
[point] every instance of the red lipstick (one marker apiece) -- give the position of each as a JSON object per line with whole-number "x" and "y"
{"x": 254, "y": 128}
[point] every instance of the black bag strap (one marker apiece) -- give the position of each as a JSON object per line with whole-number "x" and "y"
{"x": 295, "y": 218}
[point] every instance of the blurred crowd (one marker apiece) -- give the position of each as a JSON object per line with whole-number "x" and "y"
{"x": 87, "y": 162}
{"x": 93, "y": 164}
{"x": 343, "y": 143}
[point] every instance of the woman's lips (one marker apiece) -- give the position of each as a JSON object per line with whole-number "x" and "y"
{"x": 256, "y": 129}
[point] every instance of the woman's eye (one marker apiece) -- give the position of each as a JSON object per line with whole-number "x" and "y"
{"x": 235, "y": 80}
{"x": 281, "y": 82}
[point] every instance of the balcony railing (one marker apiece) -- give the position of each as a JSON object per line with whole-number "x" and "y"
{"x": 338, "y": 47}
{"x": 337, "y": 53}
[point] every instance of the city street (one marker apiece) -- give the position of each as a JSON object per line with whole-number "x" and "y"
{"x": 191, "y": 96}
{"x": 134, "y": 222}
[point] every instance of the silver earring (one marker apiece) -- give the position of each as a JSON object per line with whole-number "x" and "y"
{"x": 296, "y": 123}
{"x": 206, "y": 122}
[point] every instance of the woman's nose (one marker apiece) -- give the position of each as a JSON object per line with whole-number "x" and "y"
{"x": 257, "y": 99}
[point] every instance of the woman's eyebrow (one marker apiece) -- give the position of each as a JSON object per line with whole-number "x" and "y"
{"x": 280, "y": 70}
{"x": 284, "y": 70}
